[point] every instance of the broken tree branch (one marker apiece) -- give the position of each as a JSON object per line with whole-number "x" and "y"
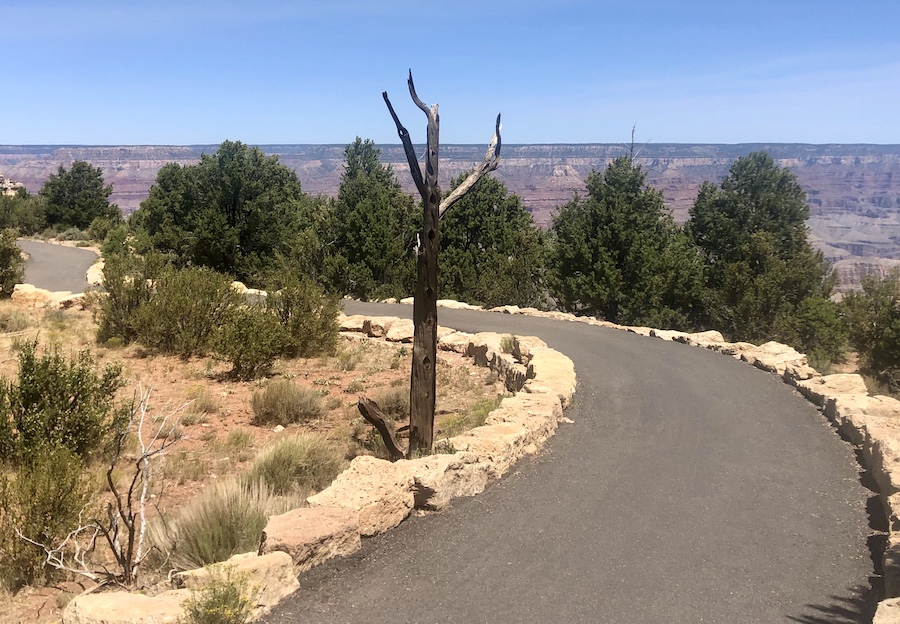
{"x": 490, "y": 162}
{"x": 408, "y": 148}
{"x": 372, "y": 413}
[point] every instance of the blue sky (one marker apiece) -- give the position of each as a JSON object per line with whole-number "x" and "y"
{"x": 561, "y": 71}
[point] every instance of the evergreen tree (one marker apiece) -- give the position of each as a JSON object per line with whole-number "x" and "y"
{"x": 873, "y": 319}
{"x": 75, "y": 197}
{"x": 619, "y": 254}
{"x": 761, "y": 267}
{"x": 372, "y": 229}
{"x": 234, "y": 212}
{"x": 491, "y": 252}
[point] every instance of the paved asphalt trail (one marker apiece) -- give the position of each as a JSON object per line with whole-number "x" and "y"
{"x": 56, "y": 267}
{"x": 691, "y": 488}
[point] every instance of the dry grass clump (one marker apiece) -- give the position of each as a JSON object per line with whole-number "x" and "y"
{"x": 283, "y": 403}
{"x": 227, "y": 519}
{"x": 298, "y": 464}
{"x": 473, "y": 416}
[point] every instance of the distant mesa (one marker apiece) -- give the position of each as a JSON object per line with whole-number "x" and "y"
{"x": 853, "y": 189}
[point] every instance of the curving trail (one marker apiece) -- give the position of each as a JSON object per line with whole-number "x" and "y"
{"x": 56, "y": 267}
{"x": 690, "y": 488}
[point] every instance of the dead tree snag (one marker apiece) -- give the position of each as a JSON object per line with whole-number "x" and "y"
{"x": 422, "y": 377}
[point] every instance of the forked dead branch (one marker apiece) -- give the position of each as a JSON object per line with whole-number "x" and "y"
{"x": 424, "y": 360}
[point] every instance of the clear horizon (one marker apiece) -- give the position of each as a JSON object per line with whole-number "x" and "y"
{"x": 573, "y": 71}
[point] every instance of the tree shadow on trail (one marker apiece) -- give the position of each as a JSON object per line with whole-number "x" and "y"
{"x": 857, "y": 607}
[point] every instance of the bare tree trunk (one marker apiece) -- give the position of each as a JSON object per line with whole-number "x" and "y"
{"x": 424, "y": 356}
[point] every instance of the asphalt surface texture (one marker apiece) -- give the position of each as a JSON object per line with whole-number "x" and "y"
{"x": 690, "y": 488}
{"x": 56, "y": 267}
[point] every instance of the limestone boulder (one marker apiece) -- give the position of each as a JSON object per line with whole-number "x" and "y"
{"x": 408, "y": 300}
{"x": 125, "y": 608}
{"x": 457, "y": 342}
{"x": 669, "y": 335}
{"x": 641, "y": 331}
{"x": 352, "y": 323}
{"x": 451, "y": 304}
{"x": 499, "y": 445}
{"x": 507, "y": 309}
{"x": 378, "y": 326}
{"x": 27, "y": 295}
{"x": 380, "y": 492}
{"x": 312, "y": 536}
{"x": 67, "y": 302}
{"x": 442, "y": 477}
{"x": 888, "y": 612}
{"x": 773, "y": 357}
{"x": 554, "y": 370}
{"x": 702, "y": 339}
{"x": 272, "y": 577}
{"x": 891, "y": 564}
{"x": 94, "y": 274}
{"x": 819, "y": 389}
{"x": 401, "y": 330}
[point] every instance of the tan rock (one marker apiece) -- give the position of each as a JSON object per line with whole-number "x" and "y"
{"x": 554, "y": 370}
{"x": 819, "y": 389}
{"x": 702, "y": 339}
{"x": 451, "y": 304}
{"x": 669, "y": 335}
{"x": 507, "y": 309}
{"x": 312, "y": 536}
{"x": 378, "y": 326}
{"x": 443, "y": 477}
{"x": 94, "y": 274}
{"x": 125, "y": 608}
{"x": 891, "y": 564}
{"x": 272, "y": 576}
{"x": 30, "y": 296}
{"x": 888, "y": 612}
{"x": 400, "y": 330}
{"x": 380, "y": 492}
{"x": 352, "y": 323}
{"x": 408, "y": 300}
{"x": 457, "y": 342}
{"x": 66, "y": 302}
{"x": 499, "y": 445}
{"x": 642, "y": 331}
{"x": 773, "y": 357}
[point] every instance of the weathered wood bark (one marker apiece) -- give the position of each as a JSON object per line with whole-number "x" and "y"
{"x": 372, "y": 413}
{"x": 422, "y": 376}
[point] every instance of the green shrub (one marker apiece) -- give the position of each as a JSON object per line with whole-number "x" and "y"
{"x": 227, "y": 599}
{"x": 250, "y": 340}
{"x": 72, "y": 234}
{"x": 227, "y": 519}
{"x": 128, "y": 287}
{"x": 100, "y": 227}
{"x": 283, "y": 402}
{"x": 308, "y": 315}
{"x": 297, "y": 464}
{"x": 474, "y": 416}
{"x": 58, "y": 402}
{"x": 12, "y": 265}
{"x": 508, "y": 343}
{"x": 187, "y": 309}
{"x": 873, "y": 321}
{"x": 43, "y": 501}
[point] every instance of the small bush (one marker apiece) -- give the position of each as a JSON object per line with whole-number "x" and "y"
{"x": 72, "y": 234}
{"x": 508, "y": 344}
{"x": 128, "y": 287}
{"x": 225, "y": 520}
{"x": 227, "y": 599}
{"x": 100, "y": 227}
{"x": 43, "y": 501}
{"x": 251, "y": 340}
{"x": 283, "y": 402}
{"x": 202, "y": 401}
{"x": 12, "y": 265}
{"x": 307, "y": 314}
{"x": 348, "y": 359}
{"x": 188, "y": 307}
{"x": 297, "y": 464}
{"x": 58, "y": 402}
